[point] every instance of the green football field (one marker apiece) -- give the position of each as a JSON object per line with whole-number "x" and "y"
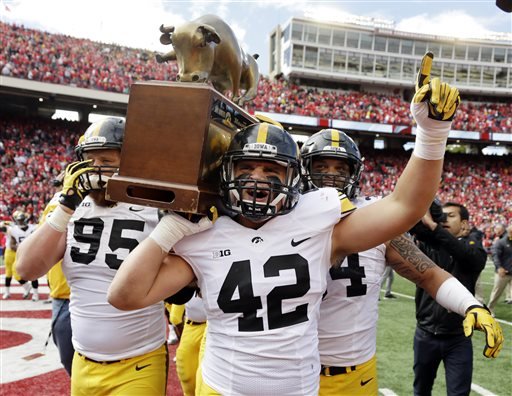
{"x": 395, "y": 345}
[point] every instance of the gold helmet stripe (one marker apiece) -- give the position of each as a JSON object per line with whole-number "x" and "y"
{"x": 262, "y": 133}
{"x": 335, "y": 138}
{"x": 96, "y": 130}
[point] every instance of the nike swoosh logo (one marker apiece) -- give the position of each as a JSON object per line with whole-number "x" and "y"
{"x": 137, "y": 368}
{"x": 363, "y": 383}
{"x": 299, "y": 242}
{"x": 134, "y": 209}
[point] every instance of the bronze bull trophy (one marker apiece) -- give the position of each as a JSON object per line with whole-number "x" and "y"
{"x": 176, "y": 134}
{"x": 206, "y": 49}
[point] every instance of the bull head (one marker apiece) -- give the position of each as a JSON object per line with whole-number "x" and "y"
{"x": 209, "y": 35}
{"x": 165, "y": 38}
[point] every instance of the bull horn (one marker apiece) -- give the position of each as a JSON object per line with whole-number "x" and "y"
{"x": 166, "y": 29}
{"x": 256, "y": 56}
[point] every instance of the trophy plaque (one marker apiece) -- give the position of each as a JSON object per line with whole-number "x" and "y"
{"x": 176, "y": 134}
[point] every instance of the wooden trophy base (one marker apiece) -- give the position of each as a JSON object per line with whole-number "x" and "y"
{"x": 176, "y": 134}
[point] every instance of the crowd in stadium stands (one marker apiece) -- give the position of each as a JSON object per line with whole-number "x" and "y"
{"x": 54, "y": 58}
{"x": 33, "y": 153}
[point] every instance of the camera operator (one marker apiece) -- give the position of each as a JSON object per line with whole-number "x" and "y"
{"x": 445, "y": 237}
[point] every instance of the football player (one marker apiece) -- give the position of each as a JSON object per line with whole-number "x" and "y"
{"x": 116, "y": 352}
{"x": 17, "y": 232}
{"x": 347, "y": 347}
{"x": 262, "y": 270}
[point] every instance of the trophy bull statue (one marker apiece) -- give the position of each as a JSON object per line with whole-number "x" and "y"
{"x": 206, "y": 49}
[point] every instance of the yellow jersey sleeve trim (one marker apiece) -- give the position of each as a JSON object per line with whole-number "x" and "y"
{"x": 346, "y": 206}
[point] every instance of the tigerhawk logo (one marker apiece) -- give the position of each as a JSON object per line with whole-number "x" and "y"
{"x": 257, "y": 240}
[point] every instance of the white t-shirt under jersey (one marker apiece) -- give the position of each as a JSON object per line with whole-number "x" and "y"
{"x": 262, "y": 291}
{"x": 98, "y": 240}
{"x": 347, "y": 329}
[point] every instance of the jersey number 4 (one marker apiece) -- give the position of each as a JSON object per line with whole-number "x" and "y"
{"x": 240, "y": 277}
{"x": 354, "y": 272}
{"x": 89, "y": 231}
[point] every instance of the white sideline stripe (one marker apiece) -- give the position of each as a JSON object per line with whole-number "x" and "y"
{"x": 387, "y": 392}
{"x": 400, "y": 294}
{"x": 505, "y": 322}
{"x": 481, "y": 391}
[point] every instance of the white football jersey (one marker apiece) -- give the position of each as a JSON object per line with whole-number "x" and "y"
{"x": 194, "y": 309}
{"x": 347, "y": 329}
{"x": 262, "y": 291}
{"x": 98, "y": 240}
{"x": 19, "y": 234}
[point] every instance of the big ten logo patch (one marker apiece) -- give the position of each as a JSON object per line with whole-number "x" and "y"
{"x": 221, "y": 253}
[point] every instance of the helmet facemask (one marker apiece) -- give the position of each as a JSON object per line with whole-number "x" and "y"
{"x": 347, "y": 183}
{"x": 268, "y": 198}
{"x": 96, "y": 179}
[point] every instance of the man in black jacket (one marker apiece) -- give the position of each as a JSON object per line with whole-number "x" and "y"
{"x": 502, "y": 257}
{"x": 439, "y": 333}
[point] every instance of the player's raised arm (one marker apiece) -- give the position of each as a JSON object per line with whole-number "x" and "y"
{"x": 410, "y": 262}
{"x": 433, "y": 107}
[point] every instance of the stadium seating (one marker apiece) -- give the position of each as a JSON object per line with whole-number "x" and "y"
{"x": 54, "y": 58}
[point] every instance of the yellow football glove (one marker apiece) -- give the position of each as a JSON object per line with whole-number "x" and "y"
{"x": 73, "y": 190}
{"x": 480, "y": 318}
{"x": 213, "y": 214}
{"x": 442, "y": 99}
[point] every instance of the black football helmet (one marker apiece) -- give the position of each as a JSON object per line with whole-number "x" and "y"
{"x": 332, "y": 143}
{"x": 265, "y": 142}
{"x": 107, "y": 133}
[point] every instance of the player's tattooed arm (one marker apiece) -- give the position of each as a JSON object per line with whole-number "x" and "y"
{"x": 407, "y": 259}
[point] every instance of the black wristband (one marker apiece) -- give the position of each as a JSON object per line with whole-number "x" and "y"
{"x": 478, "y": 306}
{"x": 70, "y": 200}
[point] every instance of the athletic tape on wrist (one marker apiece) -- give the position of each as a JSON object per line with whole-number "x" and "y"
{"x": 58, "y": 219}
{"x": 173, "y": 228}
{"x": 431, "y": 135}
{"x": 453, "y": 296}
{"x": 429, "y": 147}
{"x": 167, "y": 233}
